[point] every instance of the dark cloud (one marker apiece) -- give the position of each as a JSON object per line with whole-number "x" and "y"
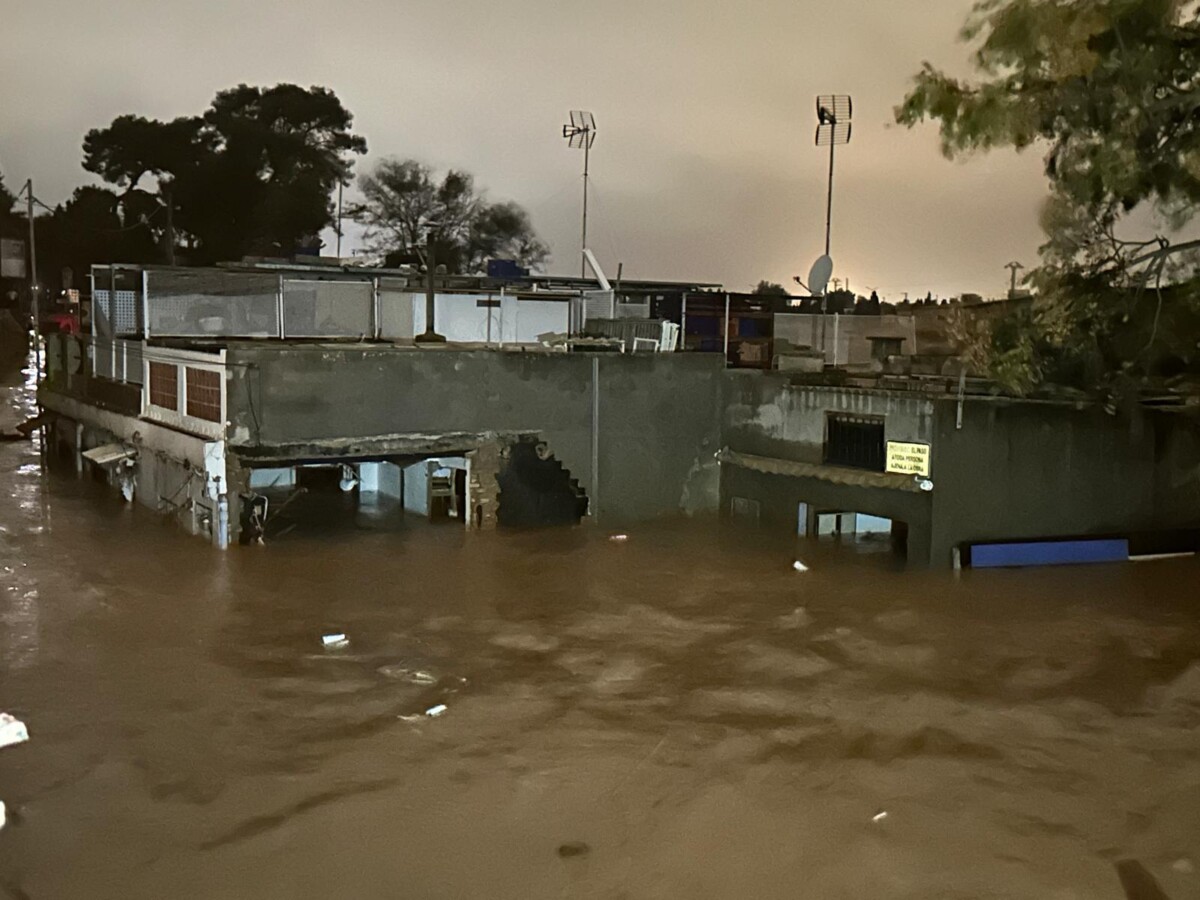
{"x": 704, "y": 164}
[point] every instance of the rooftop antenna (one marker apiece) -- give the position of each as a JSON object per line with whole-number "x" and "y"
{"x": 580, "y": 133}
{"x": 833, "y": 128}
{"x": 1014, "y": 267}
{"x": 834, "y": 112}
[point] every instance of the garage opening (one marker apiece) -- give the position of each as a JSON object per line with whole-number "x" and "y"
{"x": 323, "y": 498}
{"x": 865, "y": 532}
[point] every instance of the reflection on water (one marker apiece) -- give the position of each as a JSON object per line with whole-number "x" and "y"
{"x": 678, "y": 715}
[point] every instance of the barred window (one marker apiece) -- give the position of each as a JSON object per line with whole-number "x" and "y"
{"x": 855, "y": 441}
{"x": 204, "y": 394}
{"x": 164, "y": 385}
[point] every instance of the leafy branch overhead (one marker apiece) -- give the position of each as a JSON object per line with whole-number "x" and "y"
{"x": 405, "y": 206}
{"x": 1110, "y": 89}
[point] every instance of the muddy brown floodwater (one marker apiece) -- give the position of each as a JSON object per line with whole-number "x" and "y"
{"x": 680, "y": 715}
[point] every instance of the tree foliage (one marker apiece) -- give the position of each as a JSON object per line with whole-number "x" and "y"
{"x": 253, "y": 175}
{"x": 1110, "y": 89}
{"x": 7, "y": 199}
{"x": 404, "y": 205}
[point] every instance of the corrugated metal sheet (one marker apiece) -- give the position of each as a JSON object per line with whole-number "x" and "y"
{"x": 832, "y": 474}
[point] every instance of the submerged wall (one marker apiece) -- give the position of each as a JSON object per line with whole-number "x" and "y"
{"x": 1023, "y": 469}
{"x": 650, "y": 421}
{"x": 1014, "y": 470}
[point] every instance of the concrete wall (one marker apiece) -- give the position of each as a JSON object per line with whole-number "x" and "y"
{"x": 391, "y": 480}
{"x": 1177, "y": 475}
{"x": 765, "y": 414}
{"x": 656, "y": 416}
{"x": 416, "y": 488}
{"x": 272, "y": 478}
{"x": 1022, "y": 469}
{"x": 162, "y": 482}
{"x": 846, "y": 337}
{"x": 1015, "y": 470}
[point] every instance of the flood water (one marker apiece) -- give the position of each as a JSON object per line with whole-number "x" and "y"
{"x": 679, "y": 715}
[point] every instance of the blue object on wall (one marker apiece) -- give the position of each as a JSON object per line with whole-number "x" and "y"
{"x": 505, "y": 268}
{"x": 1049, "y": 553}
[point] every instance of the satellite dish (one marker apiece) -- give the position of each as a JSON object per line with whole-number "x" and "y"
{"x": 818, "y": 275}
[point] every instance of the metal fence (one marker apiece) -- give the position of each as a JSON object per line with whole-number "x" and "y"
{"x": 215, "y": 304}
{"x": 333, "y": 309}
{"x": 116, "y": 359}
{"x": 116, "y": 312}
{"x": 211, "y": 304}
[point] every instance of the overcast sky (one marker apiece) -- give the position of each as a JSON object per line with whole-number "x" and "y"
{"x": 703, "y": 169}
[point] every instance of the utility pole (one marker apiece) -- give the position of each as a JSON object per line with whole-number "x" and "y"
{"x": 339, "y": 221}
{"x": 33, "y": 285}
{"x": 429, "y": 335}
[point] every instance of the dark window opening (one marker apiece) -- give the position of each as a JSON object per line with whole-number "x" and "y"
{"x": 855, "y": 441}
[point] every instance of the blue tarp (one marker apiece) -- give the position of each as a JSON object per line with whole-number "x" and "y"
{"x": 1049, "y": 553}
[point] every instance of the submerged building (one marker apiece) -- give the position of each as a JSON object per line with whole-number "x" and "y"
{"x": 201, "y": 390}
{"x": 216, "y": 395}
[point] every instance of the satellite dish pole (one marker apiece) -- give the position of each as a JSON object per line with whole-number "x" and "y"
{"x": 580, "y": 133}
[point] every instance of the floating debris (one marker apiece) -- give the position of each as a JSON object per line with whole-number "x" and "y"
{"x": 573, "y": 848}
{"x": 404, "y": 673}
{"x": 3, "y": 814}
{"x": 12, "y": 730}
{"x": 335, "y": 641}
{"x": 799, "y": 566}
{"x": 797, "y": 618}
{"x": 434, "y": 711}
{"x": 618, "y": 537}
{"x": 1183, "y": 866}
{"x": 879, "y": 816}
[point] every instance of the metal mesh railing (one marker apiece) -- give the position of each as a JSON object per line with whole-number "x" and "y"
{"x": 116, "y": 317}
{"x": 315, "y": 309}
{"x": 203, "y": 304}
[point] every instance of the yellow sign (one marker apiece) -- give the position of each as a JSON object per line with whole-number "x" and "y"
{"x": 908, "y": 459}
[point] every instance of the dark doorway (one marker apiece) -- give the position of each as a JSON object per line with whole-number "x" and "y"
{"x": 319, "y": 478}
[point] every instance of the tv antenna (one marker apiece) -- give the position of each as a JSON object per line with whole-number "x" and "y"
{"x": 833, "y": 128}
{"x": 580, "y": 133}
{"x": 1014, "y": 267}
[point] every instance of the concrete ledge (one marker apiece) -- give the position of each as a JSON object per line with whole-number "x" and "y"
{"x": 832, "y": 474}
{"x": 131, "y": 429}
{"x": 372, "y": 447}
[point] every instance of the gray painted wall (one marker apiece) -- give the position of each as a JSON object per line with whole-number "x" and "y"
{"x": 847, "y": 338}
{"x": 767, "y": 415}
{"x": 1021, "y": 469}
{"x": 658, "y": 414}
